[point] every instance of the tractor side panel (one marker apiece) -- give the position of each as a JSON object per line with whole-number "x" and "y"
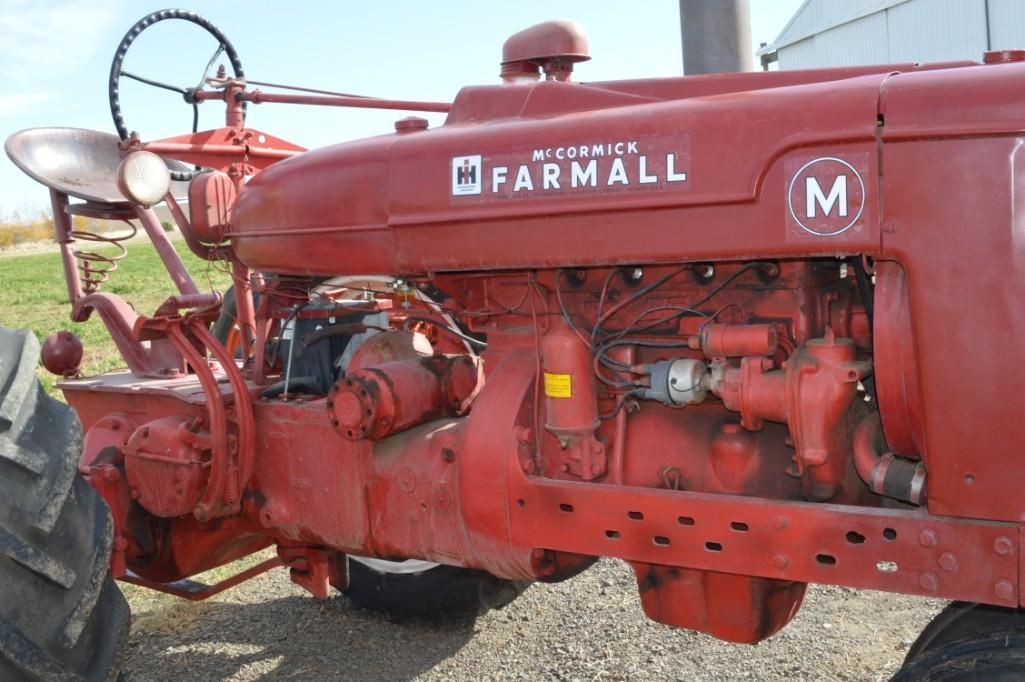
{"x": 955, "y": 220}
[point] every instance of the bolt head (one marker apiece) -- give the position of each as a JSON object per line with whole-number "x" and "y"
{"x": 948, "y": 561}
{"x": 780, "y": 562}
{"x": 1003, "y": 545}
{"x": 927, "y": 538}
{"x": 929, "y": 581}
{"x": 407, "y": 480}
{"x": 1004, "y": 589}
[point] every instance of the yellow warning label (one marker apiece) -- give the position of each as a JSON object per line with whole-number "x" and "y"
{"x": 558, "y": 385}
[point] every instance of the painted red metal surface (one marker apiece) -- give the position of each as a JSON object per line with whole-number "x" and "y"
{"x": 794, "y": 541}
{"x": 62, "y": 353}
{"x": 571, "y": 400}
{"x": 211, "y": 196}
{"x": 392, "y": 397}
{"x": 224, "y": 147}
{"x": 721, "y": 341}
{"x": 455, "y": 491}
{"x": 553, "y": 47}
{"x": 749, "y": 213}
{"x": 168, "y": 449}
{"x": 397, "y": 213}
{"x": 819, "y": 379}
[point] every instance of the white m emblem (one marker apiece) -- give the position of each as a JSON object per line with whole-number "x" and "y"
{"x": 814, "y": 195}
{"x": 826, "y": 195}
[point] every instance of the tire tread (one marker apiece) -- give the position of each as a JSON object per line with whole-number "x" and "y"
{"x": 37, "y": 561}
{"x": 440, "y": 594}
{"x": 61, "y": 615}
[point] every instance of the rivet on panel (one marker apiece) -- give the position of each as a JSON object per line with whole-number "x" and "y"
{"x": 948, "y": 561}
{"x": 1003, "y": 545}
{"x": 929, "y": 581}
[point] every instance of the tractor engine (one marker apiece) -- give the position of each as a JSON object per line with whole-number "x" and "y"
{"x": 729, "y": 378}
{"x": 726, "y": 361}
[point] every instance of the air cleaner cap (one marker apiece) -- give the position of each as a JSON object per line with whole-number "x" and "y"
{"x": 554, "y": 46}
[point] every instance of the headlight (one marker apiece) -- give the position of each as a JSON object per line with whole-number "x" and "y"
{"x": 143, "y": 178}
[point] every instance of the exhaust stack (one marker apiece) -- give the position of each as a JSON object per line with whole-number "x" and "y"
{"x": 716, "y": 36}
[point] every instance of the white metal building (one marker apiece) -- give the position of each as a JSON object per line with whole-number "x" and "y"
{"x": 852, "y": 32}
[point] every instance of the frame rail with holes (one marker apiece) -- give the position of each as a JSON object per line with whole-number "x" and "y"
{"x": 895, "y": 550}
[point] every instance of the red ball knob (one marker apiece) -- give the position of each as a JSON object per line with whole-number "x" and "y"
{"x": 62, "y": 353}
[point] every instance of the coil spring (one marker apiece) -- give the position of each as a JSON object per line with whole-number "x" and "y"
{"x": 94, "y": 267}
{"x": 231, "y": 485}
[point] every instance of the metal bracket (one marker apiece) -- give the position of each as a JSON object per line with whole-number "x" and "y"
{"x": 197, "y": 591}
{"x": 894, "y": 550}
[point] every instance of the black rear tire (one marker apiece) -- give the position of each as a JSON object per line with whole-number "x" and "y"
{"x": 439, "y": 594}
{"x": 61, "y": 615}
{"x": 968, "y": 642}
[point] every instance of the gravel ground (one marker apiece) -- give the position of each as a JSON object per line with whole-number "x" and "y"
{"x": 588, "y": 628}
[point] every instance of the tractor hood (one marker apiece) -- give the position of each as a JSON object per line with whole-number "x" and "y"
{"x": 556, "y": 173}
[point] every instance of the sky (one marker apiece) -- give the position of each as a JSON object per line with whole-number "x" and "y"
{"x": 55, "y": 59}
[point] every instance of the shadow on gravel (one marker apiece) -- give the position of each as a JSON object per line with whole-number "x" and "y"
{"x": 292, "y": 637}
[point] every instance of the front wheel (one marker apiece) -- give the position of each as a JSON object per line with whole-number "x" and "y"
{"x": 969, "y": 642}
{"x": 420, "y": 589}
{"x": 61, "y": 615}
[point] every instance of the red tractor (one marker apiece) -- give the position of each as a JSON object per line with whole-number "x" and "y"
{"x": 745, "y": 332}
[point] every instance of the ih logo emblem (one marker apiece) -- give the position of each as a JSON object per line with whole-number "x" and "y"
{"x": 826, "y": 196}
{"x": 466, "y": 175}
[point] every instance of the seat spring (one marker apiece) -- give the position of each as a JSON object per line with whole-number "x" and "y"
{"x": 94, "y": 267}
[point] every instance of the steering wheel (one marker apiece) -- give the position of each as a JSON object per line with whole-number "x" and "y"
{"x": 188, "y": 94}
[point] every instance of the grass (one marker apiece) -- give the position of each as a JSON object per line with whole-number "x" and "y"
{"x": 33, "y": 295}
